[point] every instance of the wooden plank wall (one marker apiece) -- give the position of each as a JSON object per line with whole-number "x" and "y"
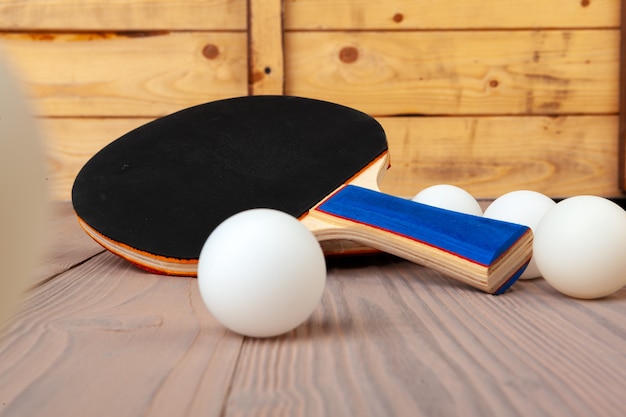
{"x": 97, "y": 69}
{"x": 489, "y": 95}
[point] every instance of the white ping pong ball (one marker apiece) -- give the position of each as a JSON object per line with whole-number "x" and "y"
{"x": 261, "y": 273}
{"x": 523, "y": 207}
{"x": 449, "y": 197}
{"x": 579, "y": 247}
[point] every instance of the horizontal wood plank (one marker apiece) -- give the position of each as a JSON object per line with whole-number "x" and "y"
{"x": 108, "y": 74}
{"x": 458, "y": 72}
{"x": 37, "y": 15}
{"x": 449, "y": 14}
{"x": 489, "y": 156}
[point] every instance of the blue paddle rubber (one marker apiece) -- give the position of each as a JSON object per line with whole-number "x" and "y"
{"x": 476, "y": 239}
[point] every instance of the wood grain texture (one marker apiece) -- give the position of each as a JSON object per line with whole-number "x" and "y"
{"x": 448, "y": 14}
{"x": 457, "y": 72}
{"x": 265, "y": 47}
{"x": 622, "y": 100}
{"x": 559, "y": 156}
{"x": 108, "y": 339}
{"x": 37, "y": 15}
{"x": 489, "y": 156}
{"x": 99, "y": 339}
{"x": 110, "y": 74}
{"x": 388, "y": 338}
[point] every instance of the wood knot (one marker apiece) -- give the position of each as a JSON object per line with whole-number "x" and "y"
{"x": 398, "y": 17}
{"x": 210, "y": 51}
{"x": 348, "y": 54}
{"x": 257, "y": 76}
{"x": 585, "y": 3}
{"x": 494, "y": 83}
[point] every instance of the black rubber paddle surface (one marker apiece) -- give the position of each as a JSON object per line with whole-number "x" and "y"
{"x": 162, "y": 188}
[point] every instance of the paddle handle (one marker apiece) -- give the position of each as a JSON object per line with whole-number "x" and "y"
{"x": 485, "y": 253}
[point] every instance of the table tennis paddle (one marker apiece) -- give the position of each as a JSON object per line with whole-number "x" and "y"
{"x": 154, "y": 195}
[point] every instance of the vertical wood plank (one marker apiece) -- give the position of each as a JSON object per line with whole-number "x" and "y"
{"x": 265, "y": 47}
{"x": 622, "y": 104}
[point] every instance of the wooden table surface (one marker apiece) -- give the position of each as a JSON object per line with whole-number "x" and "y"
{"x": 98, "y": 337}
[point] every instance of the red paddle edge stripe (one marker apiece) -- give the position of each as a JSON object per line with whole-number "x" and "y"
{"x": 113, "y": 245}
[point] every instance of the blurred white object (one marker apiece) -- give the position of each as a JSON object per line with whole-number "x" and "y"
{"x": 23, "y": 196}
